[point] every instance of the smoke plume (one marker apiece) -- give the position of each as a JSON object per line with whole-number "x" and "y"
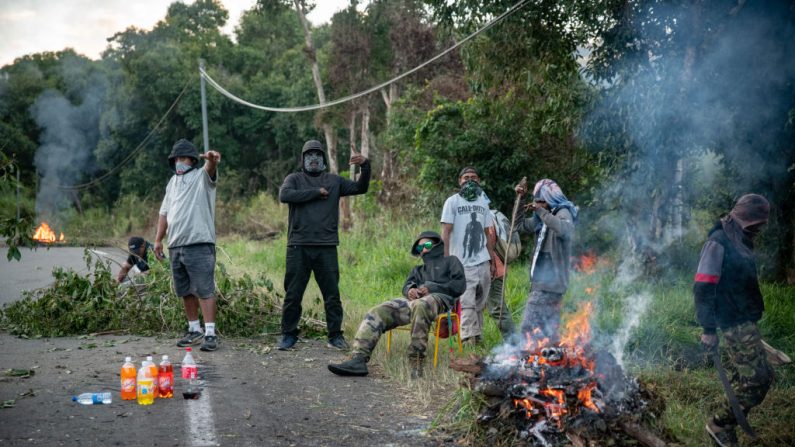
{"x": 70, "y": 131}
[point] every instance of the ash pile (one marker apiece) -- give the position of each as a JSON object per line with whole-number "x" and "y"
{"x": 553, "y": 394}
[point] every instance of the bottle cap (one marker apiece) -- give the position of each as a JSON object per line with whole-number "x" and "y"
{"x": 128, "y": 359}
{"x": 149, "y": 358}
{"x": 188, "y": 349}
{"x": 74, "y": 398}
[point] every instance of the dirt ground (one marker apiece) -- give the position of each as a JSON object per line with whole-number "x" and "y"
{"x": 253, "y": 395}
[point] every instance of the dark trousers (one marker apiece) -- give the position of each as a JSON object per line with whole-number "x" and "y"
{"x": 303, "y": 260}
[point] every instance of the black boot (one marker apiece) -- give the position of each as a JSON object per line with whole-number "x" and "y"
{"x": 356, "y": 366}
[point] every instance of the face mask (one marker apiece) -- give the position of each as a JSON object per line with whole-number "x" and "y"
{"x": 470, "y": 190}
{"x": 314, "y": 157}
{"x": 181, "y": 168}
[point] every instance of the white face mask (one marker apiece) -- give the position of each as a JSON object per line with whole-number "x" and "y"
{"x": 181, "y": 168}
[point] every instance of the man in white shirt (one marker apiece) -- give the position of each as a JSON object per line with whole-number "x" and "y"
{"x": 188, "y": 213}
{"x": 465, "y": 222}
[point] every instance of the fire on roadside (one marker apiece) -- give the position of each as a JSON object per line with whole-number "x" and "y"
{"x": 552, "y": 400}
{"x": 46, "y": 235}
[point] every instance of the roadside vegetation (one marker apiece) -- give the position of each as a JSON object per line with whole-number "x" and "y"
{"x": 662, "y": 350}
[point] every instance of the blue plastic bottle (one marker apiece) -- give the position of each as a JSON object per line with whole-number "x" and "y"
{"x": 92, "y": 398}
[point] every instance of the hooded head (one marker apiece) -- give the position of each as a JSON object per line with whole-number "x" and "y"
{"x": 751, "y": 211}
{"x": 745, "y": 220}
{"x": 183, "y": 148}
{"x": 310, "y": 162}
{"x": 438, "y": 245}
{"x": 548, "y": 191}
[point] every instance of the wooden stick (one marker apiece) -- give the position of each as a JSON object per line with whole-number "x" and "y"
{"x": 508, "y": 248}
{"x": 648, "y": 438}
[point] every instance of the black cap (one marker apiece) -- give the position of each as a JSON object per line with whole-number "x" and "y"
{"x": 135, "y": 243}
{"x": 427, "y": 234}
{"x": 183, "y": 148}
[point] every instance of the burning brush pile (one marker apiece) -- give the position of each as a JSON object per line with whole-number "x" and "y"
{"x": 550, "y": 394}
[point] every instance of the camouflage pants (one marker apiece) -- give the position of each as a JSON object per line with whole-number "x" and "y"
{"x": 542, "y": 312}
{"x": 498, "y": 310}
{"x": 420, "y": 313}
{"x": 750, "y": 373}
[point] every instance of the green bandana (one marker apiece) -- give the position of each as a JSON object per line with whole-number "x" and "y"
{"x": 470, "y": 190}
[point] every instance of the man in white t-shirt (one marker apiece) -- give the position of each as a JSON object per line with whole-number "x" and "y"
{"x": 188, "y": 215}
{"x": 465, "y": 222}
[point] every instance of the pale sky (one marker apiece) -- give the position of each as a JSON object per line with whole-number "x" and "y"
{"x": 32, "y": 26}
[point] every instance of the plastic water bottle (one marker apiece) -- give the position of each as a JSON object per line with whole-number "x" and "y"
{"x": 92, "y": 398}
{"x": 165, "y": 379}
{"x": 146, "y": 385}
{"x": 190, "y": 371}
{"x": 128, "y": 374}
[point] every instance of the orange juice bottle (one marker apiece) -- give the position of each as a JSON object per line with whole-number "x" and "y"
{"x": 165, "y": 379}
{"x": 152, "y": 372}
{"x": 128, "y": 379}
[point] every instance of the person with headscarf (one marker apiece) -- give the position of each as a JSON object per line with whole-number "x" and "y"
{"x": 552, "y": 224}
{"x": 466, "y": 232}
{"x": 313, "y": 197}
{"x": 727, "y": 296}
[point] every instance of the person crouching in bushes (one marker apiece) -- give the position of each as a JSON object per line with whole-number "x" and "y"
{"x": 430, "y": 290}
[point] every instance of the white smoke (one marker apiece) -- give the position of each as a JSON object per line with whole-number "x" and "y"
{"x": 635, "y": 308}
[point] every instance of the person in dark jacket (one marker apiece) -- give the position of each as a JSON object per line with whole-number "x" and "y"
{"x": 430, "y": 290}
{"x": 553, "y": 225}
{"x": 139, "y": 258}
{"x": 727, "y": 296}
{"x": 312, "y": 238}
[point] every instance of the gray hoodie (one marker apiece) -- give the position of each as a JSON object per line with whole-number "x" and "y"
{"x": 551, "y": 272}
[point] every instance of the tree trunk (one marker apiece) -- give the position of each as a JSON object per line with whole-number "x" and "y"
{"x": 311, "y": 54}
{"x": 691, "y": 53}
{"x": 364, "y": 142}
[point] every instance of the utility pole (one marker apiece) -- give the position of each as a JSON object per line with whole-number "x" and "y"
{"x": 18, "y": 213}
{"x": 205, "y": 133}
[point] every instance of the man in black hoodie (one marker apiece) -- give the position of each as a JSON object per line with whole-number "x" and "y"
{"x": 312, "y": 238}
{"x": 727, "y": 296}
{"x": 430, "y": 289}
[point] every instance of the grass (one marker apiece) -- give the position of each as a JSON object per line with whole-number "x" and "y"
{"x": 662, "y": 350}
{"x": 374, "y": 260}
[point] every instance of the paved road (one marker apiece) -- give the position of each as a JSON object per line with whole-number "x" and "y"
{"x": 253, "y": 395}
{"x": 33, "y": 271}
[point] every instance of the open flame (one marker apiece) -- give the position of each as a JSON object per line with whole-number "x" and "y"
{"x": 550, "y": 401}
{"x": 45, "y": 234}
{"x": 588, "y": 263}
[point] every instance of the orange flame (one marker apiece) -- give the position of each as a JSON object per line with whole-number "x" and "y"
{"x": 587, "y": 263}
{"x": 45, "y": 234}
{"x": 578, "y": 329}
{"x": 584, "y": 396}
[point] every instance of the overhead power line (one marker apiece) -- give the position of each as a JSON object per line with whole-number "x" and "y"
{"x": 345, "y": 99}
{"x": 132, "y": 153}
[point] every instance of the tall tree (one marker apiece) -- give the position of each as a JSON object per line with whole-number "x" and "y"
{"x": 310, "y": 53}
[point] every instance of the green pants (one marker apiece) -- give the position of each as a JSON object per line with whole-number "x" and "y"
{"x": 751, "y": 374}
{"x": 500, "y": 316}
{"x": 420, "y": 313}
